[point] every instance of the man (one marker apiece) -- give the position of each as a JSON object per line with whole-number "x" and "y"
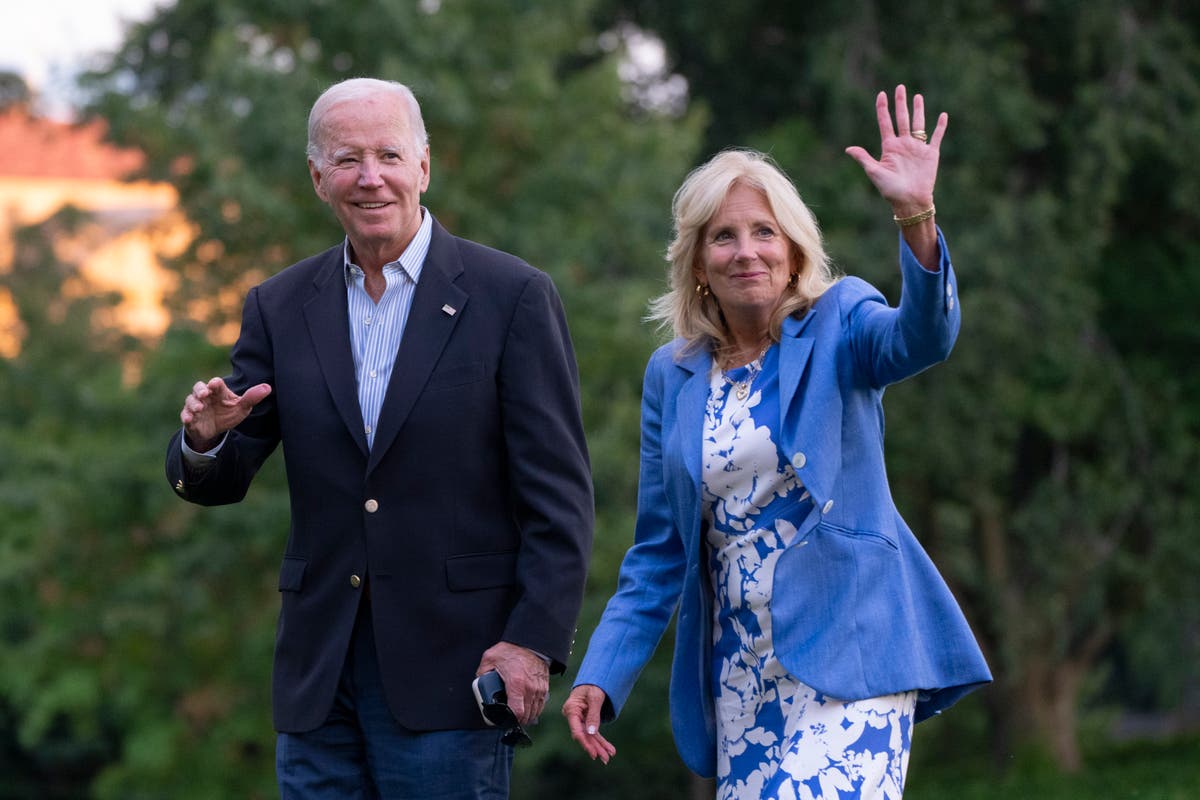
{"x": 425, "y": 391}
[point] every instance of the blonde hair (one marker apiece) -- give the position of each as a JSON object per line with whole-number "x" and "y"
{"x": 698, "y": 319}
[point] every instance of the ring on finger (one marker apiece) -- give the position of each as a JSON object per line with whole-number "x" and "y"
{"x": 920, "y": 134}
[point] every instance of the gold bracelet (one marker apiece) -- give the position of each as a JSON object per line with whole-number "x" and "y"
{"x": 915, "y": 219}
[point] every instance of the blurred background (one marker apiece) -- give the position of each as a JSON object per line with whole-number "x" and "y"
{"x": 1050, "y": 467}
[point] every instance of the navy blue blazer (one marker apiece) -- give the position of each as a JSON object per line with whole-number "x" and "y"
{"x": 858, "y": 609}
{"x": 470, "y": 518}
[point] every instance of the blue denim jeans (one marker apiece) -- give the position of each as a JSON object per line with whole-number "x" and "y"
{"x": 362, "y": 753}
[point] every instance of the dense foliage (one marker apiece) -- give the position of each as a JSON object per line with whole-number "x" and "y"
{"x": 1048, "y": 467}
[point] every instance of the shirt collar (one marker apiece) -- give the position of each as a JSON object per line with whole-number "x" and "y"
{"x": 411, "y": 261}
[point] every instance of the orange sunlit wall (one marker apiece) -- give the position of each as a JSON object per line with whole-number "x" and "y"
{"x": 46, "y": 165}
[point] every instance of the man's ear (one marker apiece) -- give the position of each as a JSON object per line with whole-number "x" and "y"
{"x": 315, "y": 173}
{"x": 425, "y": 169}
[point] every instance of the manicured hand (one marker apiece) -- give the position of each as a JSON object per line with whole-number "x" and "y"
{"x": 907, "y": 167}
{"x": 582, "y": 710}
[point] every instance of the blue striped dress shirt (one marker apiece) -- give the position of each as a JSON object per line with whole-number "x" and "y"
{"x": 377, "y": 328}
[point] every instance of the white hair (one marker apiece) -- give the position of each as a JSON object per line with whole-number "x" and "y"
{"x": 357, "y": 89}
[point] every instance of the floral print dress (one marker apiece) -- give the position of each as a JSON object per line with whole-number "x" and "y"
{"x": 776, "y": 737}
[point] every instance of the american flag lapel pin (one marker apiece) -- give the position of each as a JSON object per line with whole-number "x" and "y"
{"x": 449, "y": 310}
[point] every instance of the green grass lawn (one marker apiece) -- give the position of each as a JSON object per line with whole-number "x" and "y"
{"x": 1136, "y": 771}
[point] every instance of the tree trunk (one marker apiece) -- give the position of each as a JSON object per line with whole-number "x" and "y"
{"x": 1005, "y": 609}
{"x": 1048, "y": 701}
{"x": 1063, "y": 719}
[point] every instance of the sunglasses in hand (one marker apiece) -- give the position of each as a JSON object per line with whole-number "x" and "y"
{"x": 493, "y": 705}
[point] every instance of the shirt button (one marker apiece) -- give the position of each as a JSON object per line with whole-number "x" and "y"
{"x": 371, "y": 505}
{"x": 355, "y": 581}
{"x": 371, "y": 373}
{"x": 950, "y": 304}
{"x": 799, "y": 460}
{"x": 366, "y": 320}
{"x": 368, "y": 430}
{"x": 828, "y": 507}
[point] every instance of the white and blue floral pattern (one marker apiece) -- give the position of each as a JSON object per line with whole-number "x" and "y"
{"x": 776, "y": 737}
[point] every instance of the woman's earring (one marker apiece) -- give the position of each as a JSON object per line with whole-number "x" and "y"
{"x": 793, "y": 279}
{"x": 702, "y": 290}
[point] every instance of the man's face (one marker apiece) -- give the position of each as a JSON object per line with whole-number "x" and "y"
{"x": 372, "y": 174}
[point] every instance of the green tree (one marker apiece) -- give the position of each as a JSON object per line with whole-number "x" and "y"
{"x": 14, "y": 91}
{"x": 151, "y": 634}
{"x": 135, "y": 631}
{"x": 1047, "y": 466}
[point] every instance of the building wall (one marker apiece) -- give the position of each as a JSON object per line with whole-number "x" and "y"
{"x": 134, "y": 227}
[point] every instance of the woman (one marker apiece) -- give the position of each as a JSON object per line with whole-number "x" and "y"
{"x": 813, "y": 629}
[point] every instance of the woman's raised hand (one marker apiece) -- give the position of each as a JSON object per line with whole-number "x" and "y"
{"x": 907, "y": 167}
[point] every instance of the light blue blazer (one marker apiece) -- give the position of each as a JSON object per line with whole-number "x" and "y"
{"x": 858, "y": 609}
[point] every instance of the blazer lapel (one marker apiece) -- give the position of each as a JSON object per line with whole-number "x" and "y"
{"x": 328, "y": 320}
{"x": 810, "y": 410}
{"x": 689, "y": 412}
{"x": 794, "y": 352}
{"x": 425, "y": 336}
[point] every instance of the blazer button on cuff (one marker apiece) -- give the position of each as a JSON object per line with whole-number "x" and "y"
{"x": 828, "y": 507}
{"x": 799, "y": 460}
{"x": 371, "y": 505}
{"x": 355, "y": 581}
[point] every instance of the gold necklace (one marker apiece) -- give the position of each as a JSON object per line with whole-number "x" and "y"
{"x": 741, "y": 389}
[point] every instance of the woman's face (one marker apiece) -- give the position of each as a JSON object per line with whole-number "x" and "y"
{"x": 745, "y": 258}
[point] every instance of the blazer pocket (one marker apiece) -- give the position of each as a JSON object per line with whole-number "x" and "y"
{"x": 481, "y": 571}
{"x": 876, "y": 538}
{"x": 455, "y": 375}
{"x": 291, "y": 573}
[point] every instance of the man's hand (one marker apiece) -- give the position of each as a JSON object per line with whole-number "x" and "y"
{"x": 212, "y": 409}
{"x": 526, "y": 678}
